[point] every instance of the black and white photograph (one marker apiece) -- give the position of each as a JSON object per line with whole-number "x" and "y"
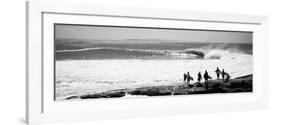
{"x": 102, "y": 61}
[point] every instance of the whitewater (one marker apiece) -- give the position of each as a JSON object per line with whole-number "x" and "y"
{"x": 80, "y": 77}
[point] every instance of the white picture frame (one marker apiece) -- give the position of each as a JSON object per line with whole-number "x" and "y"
{"x": 41, "y": 107}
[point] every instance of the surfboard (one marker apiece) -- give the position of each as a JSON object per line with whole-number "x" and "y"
{"x": 191, "y": 78}
{"x": 219, "y": 72}
{"x": 227, "y": 75}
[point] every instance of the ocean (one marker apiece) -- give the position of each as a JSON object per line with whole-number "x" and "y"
{"x": 92, "y": 66}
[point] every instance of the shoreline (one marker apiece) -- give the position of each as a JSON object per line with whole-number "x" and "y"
{"x": 235, "y": 85}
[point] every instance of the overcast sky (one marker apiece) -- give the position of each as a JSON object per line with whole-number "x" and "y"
{"x": 121, "y": 33}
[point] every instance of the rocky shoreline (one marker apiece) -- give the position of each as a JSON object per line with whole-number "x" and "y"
{"x": 239, "y": 84}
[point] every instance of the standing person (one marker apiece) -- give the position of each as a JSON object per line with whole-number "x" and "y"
{"x": 206, "y": 76}
{"x": 184, "y": 77}
{"x": 218, "y": 72}
{"x": 188, "y": 77}
{"x": 222, "y": 74}
{"x": 199, "y": 77}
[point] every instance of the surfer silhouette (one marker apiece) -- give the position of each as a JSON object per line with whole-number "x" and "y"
{"x": 206, "y": 76}
{"x": 218, "y": 72}
{"x": 188, "y": 78}
{"x": 225, "y": 76}
{"x": 222, "y": 74}
{"x": 199, "y": 77}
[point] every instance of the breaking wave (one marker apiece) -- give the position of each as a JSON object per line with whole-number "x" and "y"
{"x": 190, "y": 53}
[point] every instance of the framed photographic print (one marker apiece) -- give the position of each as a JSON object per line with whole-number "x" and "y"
{"x": 88, "y": 62}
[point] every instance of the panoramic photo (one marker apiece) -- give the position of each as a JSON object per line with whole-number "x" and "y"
{"x": 97, "y": 62}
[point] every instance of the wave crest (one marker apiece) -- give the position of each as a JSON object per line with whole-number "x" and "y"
{"x": 190, "y": 53}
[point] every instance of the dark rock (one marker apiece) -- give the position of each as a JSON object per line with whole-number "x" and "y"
{"x": 240, "y": 84}
{"x": 190, "y": 85}
{"x": 104, "y": 95}
{"x": 152, "y": 91}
